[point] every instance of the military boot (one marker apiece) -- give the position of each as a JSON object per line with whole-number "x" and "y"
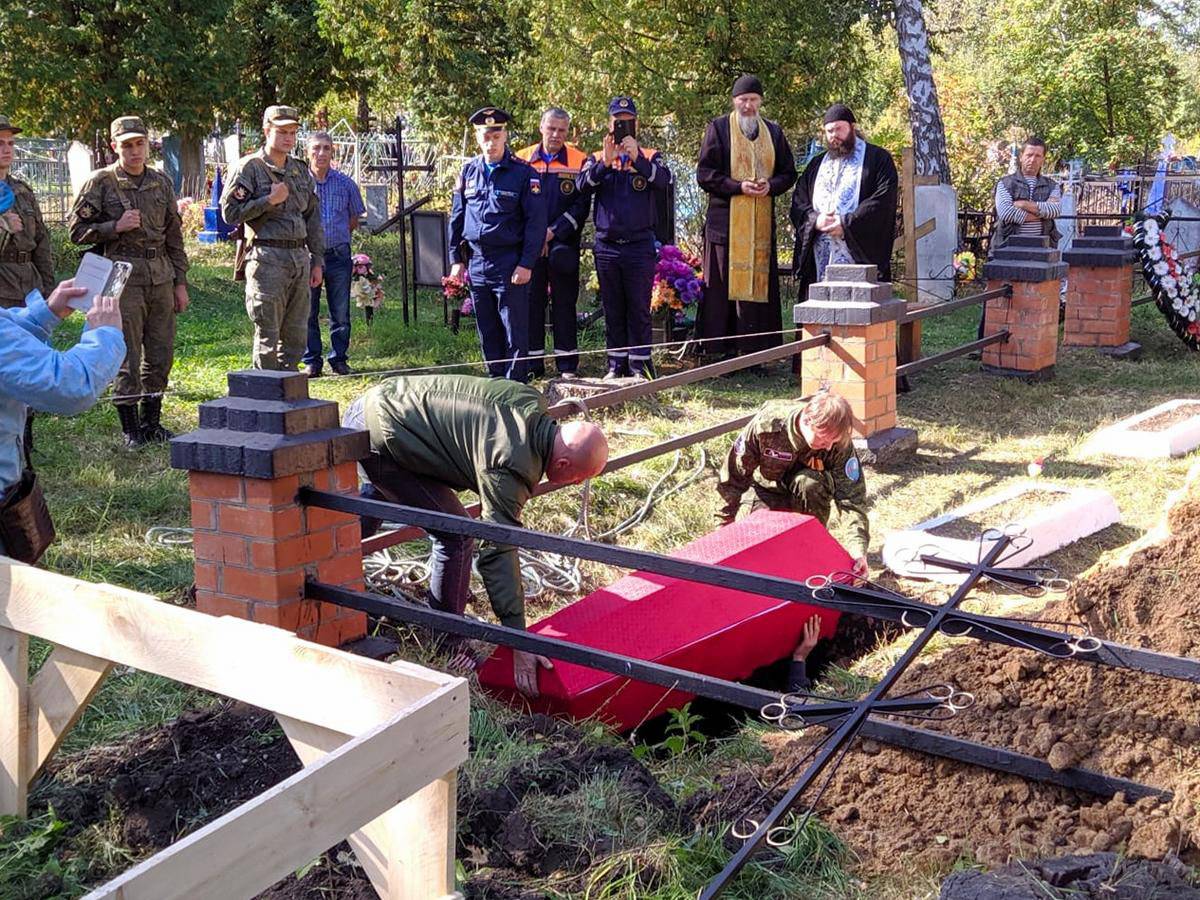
{"x": 152, "y": 429}
{"x": 131, "y": 428}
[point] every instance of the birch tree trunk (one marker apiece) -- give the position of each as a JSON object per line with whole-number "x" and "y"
{"x": 924, "y": 113}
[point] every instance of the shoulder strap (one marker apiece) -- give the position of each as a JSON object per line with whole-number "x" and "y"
{"x": 112, "y": 174}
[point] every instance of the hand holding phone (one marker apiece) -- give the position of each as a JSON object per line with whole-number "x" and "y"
{"x": 100, "y": 276}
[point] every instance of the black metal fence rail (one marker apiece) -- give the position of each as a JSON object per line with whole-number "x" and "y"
{"x": 689, "y": 376}
{"x": 928, "y": 362}
{"x": 926, "y": 310}
{"x": 825, "y": 715}
{"x": 909, "y": 613}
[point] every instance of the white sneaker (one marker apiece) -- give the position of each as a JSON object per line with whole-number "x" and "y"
{"x": 569, "y": 376}
{"x": 610, "y": 375}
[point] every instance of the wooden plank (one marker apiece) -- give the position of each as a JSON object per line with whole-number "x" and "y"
{"x": 926, "y": 227}
{"x": 270, "y": 836}
{"x": 14, "y": 720}
{"x": 60, "y": 691}
{"x": 909, "y": 334}
{"x": 409, "y": 850}
{"x": 258, "y": 664}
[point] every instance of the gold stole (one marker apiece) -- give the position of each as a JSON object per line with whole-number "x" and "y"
{"x": 750, "y": 217}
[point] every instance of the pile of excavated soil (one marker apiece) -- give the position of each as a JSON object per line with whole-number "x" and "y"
{"x": 889, "y": 804}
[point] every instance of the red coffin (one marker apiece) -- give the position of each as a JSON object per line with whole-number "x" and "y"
{"x": 698, "y": 627}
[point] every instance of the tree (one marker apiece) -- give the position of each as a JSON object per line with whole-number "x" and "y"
{"x": 924, "y": 112}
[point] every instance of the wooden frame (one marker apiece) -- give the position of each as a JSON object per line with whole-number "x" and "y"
{"x": 380, "y": 743}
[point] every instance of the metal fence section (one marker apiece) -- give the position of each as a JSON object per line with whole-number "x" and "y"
{"x": 43, "y": 163}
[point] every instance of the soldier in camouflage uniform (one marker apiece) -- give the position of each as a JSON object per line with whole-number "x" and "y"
{"x": 799, "y": 457}
{"x": 128, "y": 210}
{"x": 273, "y": 195}
{"x": 26, "y": 261}
{"x": 435, "y": 435}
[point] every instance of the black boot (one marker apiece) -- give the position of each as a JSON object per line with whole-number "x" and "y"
{"x": 131, "y": 428}
{"x": 152, "y": 429}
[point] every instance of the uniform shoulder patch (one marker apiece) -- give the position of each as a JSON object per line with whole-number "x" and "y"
{"x": 86, "y": 211}
{"x": 241, "y": 193}
{"x": 853, "y": 468}
{"x": 639, "y": 183}
{"x": 535, "y": 186}
{"x": 566, "y": 185}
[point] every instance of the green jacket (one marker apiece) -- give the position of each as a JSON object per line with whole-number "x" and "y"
{"x": 33, "y": 242}
{"x": 298, "y": 218}
{"x": 770, "y": 450}
{"x": 481, "y": 434}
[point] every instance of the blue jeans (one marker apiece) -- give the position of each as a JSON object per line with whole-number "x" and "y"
{"x": 337, "y": 293}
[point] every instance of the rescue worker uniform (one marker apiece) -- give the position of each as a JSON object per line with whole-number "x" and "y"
{"x": 771, "y": 458}
{"x": 625, "y": 216}
{"x": 26, "y": 260}
{"x": 556, "y": 272}
{"x": 434, "y": 435}
{"x": 285, "y": 242}
{"x": 498, "y": 222}
{"x": 160, "y": 264}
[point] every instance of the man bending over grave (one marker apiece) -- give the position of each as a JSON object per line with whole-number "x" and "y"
{"x": 434, "y": 435}
{"x": 798, "y": 456}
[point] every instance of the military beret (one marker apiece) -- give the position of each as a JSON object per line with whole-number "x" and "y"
{"x": 839, "y": 112}
{"x": 621, "y": 105}
{"x": 747, "y": 84}
{"x": 281, "y": 115}
{"x": 7, "y": 125}
{"x": 489, "y": 117}
{"x": 126, "y": 128}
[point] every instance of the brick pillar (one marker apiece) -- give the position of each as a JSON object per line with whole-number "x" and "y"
{"x": 859, "y": 362}
{"x": 254, "y": 544}
{"x": 1034, "y": 269}
{"x": 1099, "y": 291}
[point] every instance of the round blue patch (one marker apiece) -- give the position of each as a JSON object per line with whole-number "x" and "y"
{"x": 853, "y": 469}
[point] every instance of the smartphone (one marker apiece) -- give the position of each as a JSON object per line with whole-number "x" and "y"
{"x": 623, "y": 128}
{"x": 101, "y": 276}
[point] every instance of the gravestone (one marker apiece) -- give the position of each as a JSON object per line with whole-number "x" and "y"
{"x": 935, "y": 251}
{"x": 79, "y": 164}
{"x": 377, "y": 204}
{"x": 1185, "y": 236}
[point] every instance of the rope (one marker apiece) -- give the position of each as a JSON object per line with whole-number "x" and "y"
{"x": 169, "y": 536}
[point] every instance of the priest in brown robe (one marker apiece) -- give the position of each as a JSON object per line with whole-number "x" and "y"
{"x": 844, "y": 206}
{"x": 745, "y": 163}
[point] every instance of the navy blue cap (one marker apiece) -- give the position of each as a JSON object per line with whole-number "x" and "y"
{"x": 621, "y": 105}
{"x": 489, "y": 117}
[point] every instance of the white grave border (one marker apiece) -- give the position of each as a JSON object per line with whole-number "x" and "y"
{"x": 1081, "y": 512}
{"x": 1124, "y": 438}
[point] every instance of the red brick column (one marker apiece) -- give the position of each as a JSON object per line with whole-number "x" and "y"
{"x": 1030, "y": 315}
{"x": 859, "y": 362}
{"x": 254, "y": 544}
{"x": 1099, "y": 292}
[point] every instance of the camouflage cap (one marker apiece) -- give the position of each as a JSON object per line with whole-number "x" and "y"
{"x": 281, "y": 115}
{"x": 7, "y": 125}
{"x": 126, "y": 128}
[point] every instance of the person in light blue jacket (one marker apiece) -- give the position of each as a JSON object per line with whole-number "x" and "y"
{"x": 34, "y": 375}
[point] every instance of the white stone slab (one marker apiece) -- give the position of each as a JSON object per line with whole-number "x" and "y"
{"x": 1125, "y": 439}
{"x": 1080, "y": 512}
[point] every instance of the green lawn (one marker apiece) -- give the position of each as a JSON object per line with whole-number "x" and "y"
{"x": 977, "y": 433}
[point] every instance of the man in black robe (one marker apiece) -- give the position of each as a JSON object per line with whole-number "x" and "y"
{"x": 745, "y": 162}
{"x": 844, "y": 206}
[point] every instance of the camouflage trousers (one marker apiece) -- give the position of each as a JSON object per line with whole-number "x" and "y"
{"x": 278, "y": 302}
{"x": 148, "y": 320}
{"x": 808, "y": 491}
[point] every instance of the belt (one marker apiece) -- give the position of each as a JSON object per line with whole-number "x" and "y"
{"x": 282, "y": 245}
{"x": 145, "y": 253}
{"x": 15, "y": 256}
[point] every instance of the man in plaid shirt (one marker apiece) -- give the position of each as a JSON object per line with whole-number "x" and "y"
{"x": 341, "y": 205}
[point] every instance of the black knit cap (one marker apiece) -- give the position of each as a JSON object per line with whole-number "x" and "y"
{"x": 839, "y": 112}
{"x": 747, "y": 84}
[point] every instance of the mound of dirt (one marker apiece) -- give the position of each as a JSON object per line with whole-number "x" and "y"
{"x": 162, "y": 783}
{"x": 889, "y": 804}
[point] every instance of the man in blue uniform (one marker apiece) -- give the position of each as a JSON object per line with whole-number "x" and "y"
{"x": 624, "y": 177}
{"x": 556, "y": 272}
{"x": 497, "y": 230}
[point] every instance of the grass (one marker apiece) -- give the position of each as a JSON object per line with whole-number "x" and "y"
{"x": 977, "y": 434}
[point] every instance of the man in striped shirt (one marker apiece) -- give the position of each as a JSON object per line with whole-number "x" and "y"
{"x": 1027, "y": 202}
{"x": 341, "y": 205}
